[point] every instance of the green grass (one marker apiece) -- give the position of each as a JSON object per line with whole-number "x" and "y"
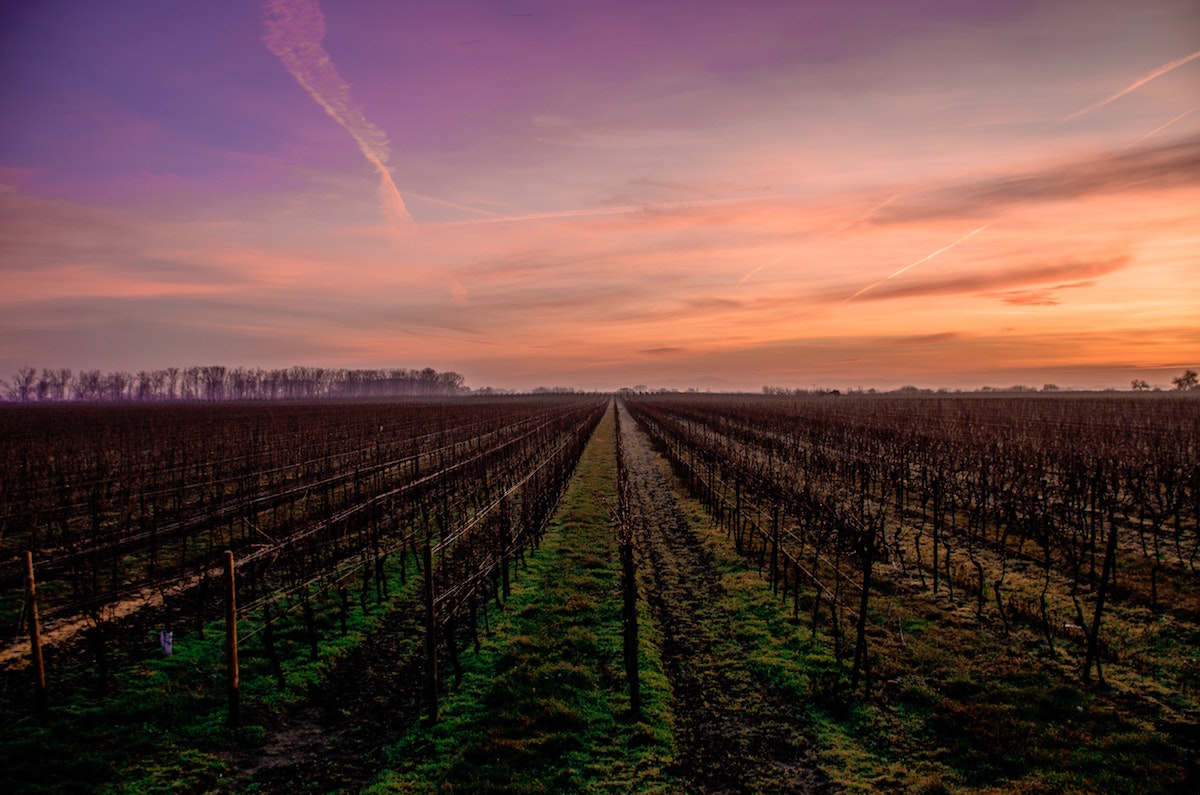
{"x": 965, "y": 713}
{"x": 544, "y": 706}
{"x": 163, "y": 725}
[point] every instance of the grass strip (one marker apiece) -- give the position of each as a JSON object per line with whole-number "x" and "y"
{"x": 544, "y": 705}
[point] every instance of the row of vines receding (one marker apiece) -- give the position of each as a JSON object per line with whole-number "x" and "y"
{"x": 129, "y": 513}
{"x": 1065, "y": 525}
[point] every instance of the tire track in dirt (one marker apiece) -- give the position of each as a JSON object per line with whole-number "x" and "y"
{"x": 735, "y": 733}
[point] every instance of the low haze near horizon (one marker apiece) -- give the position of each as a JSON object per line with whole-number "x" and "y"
{"x": 602, "y": 194}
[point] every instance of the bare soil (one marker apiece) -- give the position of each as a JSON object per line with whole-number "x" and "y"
{"x": 735, "y": 732}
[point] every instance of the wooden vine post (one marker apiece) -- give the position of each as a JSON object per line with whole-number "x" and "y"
{"x": 629, "y": 583}
{"x": 231, "y": 642}
{"x": 625, "y": 548}
{"x": 431, "y": 686}
{"x": 35, "y": 637}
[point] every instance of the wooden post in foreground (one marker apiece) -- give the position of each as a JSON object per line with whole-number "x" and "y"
{"x": 231, "y": 642}
{"x": 629, "y": 588}
{"x": 431, "y": 687}
{"x": 35, "y": 636}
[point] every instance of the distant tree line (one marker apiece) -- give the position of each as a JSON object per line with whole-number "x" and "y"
{"x": 216, "y": 382}
{"x": 1187, "y": 382}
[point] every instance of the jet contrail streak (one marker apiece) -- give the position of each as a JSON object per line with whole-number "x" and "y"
{"x": 746, "y": 278}
{"x": 1161, "y": 127}
{"x": 624, "y": 209}
{"x": 294, "y": 30}
{"x": 864, "y": 216}
{"x": 581, "y": 213}
{"x": 1160, "y": 71}
{"x": 454, "y": 205}
{"x": 926, "y": 258}
{"x": 836, "y": 231}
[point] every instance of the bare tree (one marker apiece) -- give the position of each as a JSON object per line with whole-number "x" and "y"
{"x": 23, "y": 381}
{"x": 87, "y": 385}
{"x": 190, "y": 387}
{"x": 145, "y": 388}
{"x": 1187, "y": 381}
{"x": 45, "y": 385}
{"x": 214, "y": 382}
{"x": 116, "y": 384}
{"x": 157, "y": 379}
{"x": 62, "y": 383}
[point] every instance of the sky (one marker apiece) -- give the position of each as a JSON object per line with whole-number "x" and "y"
{"x": 719, "y": 195}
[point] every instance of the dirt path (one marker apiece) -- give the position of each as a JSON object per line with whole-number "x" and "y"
{"x": 735, "y": 733}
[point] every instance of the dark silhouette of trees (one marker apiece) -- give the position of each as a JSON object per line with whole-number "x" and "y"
{"x": 23, "y": 383}
{"x": 87, "y": 385}
{"x": 1187, "y": 381}
{"x": 217, "y": 383}
{"x": 117, "y": 385}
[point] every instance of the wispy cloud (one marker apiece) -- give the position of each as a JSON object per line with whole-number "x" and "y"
{"x": 922, "y": 339}
{"x": 294, "y": 31}
{"x": 1136, "y": 84}
{"x": 1152, "y": 168}
{"x": 1012, "y": 285}
{"x": 924, "y": 259}
{"x": 835, "y": 231}
{"x": 628, "y": 209}
{"x": 1044, "y": 296}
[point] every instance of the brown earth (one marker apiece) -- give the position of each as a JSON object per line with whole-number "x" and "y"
{"x": 735, "y": 732}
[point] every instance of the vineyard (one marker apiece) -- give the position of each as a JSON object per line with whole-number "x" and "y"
{"x": 132, "y": 515}
{"x": 950, "y": 548}
{"x": 982, "y": 589}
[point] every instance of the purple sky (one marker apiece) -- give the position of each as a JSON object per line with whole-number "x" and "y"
{"x": 599, "y": 194}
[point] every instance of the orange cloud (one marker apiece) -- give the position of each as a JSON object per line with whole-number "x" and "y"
{"x": 922, "y": 339}
{"x": 1164, "y": 167}
{"x": 1046, "y": 296}
{"x": 1003, "y": 282}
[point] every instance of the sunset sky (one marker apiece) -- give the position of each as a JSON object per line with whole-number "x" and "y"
{"x": 602, "y": 194}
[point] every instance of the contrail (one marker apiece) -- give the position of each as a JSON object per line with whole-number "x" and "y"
{"x": 864, "y": 216}
{"x": 1162, "y": 70}
{"x": 1161, "y": 127}
{"x": 625, "y": 209}
{"x": 581, "y": 213}
{"x": 926, "y": 258}
{"x": 836, "y": 231}
{"x": 454, "y": 205}
{"x": 294, "y": 30}
{"x": 746, "y": 278}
